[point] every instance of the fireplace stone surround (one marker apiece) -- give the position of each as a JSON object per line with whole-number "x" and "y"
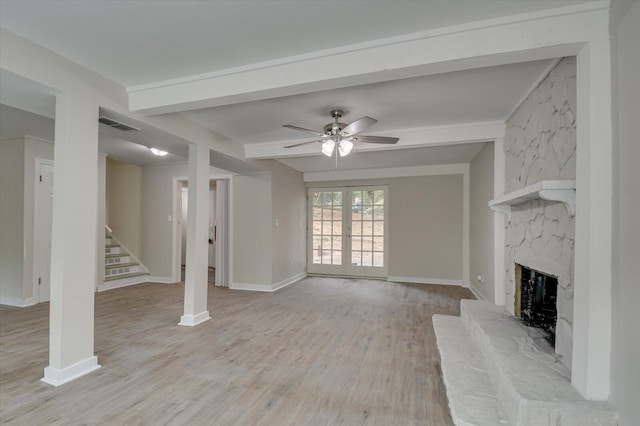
{"x": 540, "y": 145}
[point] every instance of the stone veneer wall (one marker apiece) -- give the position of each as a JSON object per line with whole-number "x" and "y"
{"x": 540, "y": 144}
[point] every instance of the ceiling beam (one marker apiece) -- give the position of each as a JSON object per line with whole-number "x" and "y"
{"x": 544, "y": 34}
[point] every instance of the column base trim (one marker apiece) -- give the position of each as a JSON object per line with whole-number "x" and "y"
{"x": 190, "y": 320}
{"x": 56, "y": 377}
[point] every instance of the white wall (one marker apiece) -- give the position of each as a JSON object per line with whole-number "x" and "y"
{"x": 481, "y": 222}
{"x": 626, "y": 280}
{"x": 123, "y": 192}
{"x": 425, "y": 225}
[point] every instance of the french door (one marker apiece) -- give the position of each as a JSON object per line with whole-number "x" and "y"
{"x": 348, "y": 231}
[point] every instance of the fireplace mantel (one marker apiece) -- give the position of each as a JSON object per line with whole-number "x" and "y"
{"x": 550, "y": 190}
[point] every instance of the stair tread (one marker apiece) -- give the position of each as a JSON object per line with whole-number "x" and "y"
{"x": 122, "y": 276}
{"x": 116, "y": 255}
{"x": 120, "y": 265}
{"x": 112, "y": 245}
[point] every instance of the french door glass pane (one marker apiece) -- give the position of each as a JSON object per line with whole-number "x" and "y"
{"x": 327, "y": 227}
{"x": 367, "y": 228}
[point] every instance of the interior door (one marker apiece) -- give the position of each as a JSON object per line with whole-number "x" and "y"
{"x": 43, "y": 231}
{"x": 348, "y": 231}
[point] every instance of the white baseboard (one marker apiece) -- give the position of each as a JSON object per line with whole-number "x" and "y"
{"x": 420, "y": 280}
{"x": 289, "y": 281}
{"x": 161, "y": 280}
{"x": 251, "y": 287}
{"x": 57, "y": 377}
{"x": 477, "y": 293}
{"x": 125, "y": 282}
{"x": 268, "y": 288}
{"x": 16, "y": 301}
{"x": 190, "y": 320}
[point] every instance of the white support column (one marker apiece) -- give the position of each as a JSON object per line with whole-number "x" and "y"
{"x": 73, "y": 246}
{"x": 499, "y": 219}
{"x": 466, "y": 227}
{"x": 197, "y": 261}
{"x": 590, "y": 371}
{"x": 100, "y": 231}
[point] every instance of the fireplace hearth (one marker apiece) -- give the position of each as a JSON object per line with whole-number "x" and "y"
{"x": 536, "y": 300}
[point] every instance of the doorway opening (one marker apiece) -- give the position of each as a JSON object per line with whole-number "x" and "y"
{"x": 219, "y": 236}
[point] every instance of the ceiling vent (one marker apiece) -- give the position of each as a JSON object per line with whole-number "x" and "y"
{"x": 116, "y": 124}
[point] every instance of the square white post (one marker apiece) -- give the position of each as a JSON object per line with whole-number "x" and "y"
{"x": 73, "y": 242}
{"x": 197, "y": 256}
{"x": 590, "y": 370}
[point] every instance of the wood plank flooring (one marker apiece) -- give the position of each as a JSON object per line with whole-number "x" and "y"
{"x": 323, "y": 351}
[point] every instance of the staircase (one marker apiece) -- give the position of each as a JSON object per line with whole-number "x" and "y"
{"x": 121, "y": 268}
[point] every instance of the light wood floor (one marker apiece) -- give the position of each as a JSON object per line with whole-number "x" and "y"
{"x": 319, "y": 352}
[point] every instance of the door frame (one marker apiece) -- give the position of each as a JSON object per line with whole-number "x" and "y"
{"x": 346, "y": 269}
{"x": 176, "y": 250}
{"x": 39, "y": 162}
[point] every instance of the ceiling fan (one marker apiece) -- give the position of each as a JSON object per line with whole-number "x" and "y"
{"x": 341, "y": 135}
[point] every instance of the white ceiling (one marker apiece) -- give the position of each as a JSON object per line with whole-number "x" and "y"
{"x": 146, "y": 41}
{"x": 17, "y": 123}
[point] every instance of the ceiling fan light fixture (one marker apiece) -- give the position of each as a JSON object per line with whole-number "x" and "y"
{"x": 158, "y": 152}
{"x": 344, "y": 147}
{"x": 328, "y": 147}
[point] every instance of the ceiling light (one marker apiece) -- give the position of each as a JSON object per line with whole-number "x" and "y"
{"x": 158, "y": 152}
{"x": 327, "y": 147}
{"x": 344, "y": 147}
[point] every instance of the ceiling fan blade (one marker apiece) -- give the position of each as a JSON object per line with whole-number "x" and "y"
{"x": 358, "y": 126}
{"x": 376, "y": 139}
{"x": 303, "y": 143}
{"x": 302, "y": 129}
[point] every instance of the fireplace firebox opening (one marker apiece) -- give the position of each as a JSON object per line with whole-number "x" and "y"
{"x": 536, "y": 300}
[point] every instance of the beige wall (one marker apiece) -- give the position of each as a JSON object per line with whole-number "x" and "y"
{"x": 288, "y": 197}
{"x": 252, "y": 242}
{"x": 17, "y": 195}
{"x": 11, "y": 219}
{"x": 425, "y": 225}
{"x": 123, "y": 194}
{"x": 158, "y": 195}
{"x": 626, "y": 244}
{"x": 481, "y": 222}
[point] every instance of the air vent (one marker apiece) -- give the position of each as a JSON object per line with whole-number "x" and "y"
{"x": 116, "y": 124}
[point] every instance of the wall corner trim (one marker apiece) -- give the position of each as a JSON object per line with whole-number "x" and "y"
{"x": 17, "y": 301}
{"x": 268, "y": 288}
{"x": 477, "y": 293}
{"x": 56, "y": 377}
{"x": 289, "y": 281}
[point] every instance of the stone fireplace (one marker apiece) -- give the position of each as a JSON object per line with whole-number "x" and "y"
{"x": 540, "y": 146}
